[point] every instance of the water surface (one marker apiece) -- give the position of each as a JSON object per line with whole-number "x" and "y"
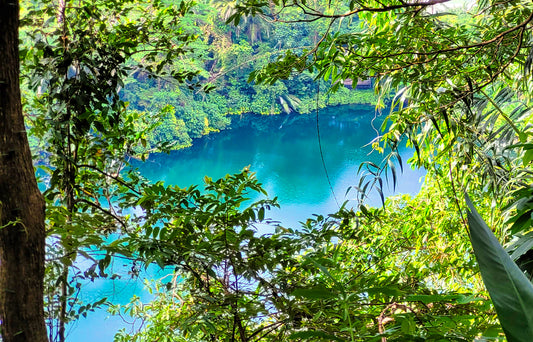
{"x": 284, "y": 152}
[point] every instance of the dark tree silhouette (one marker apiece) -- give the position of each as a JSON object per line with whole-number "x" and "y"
{"x": 22, "y": 232}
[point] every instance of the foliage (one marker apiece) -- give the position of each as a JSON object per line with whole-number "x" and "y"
{"x": 101, "y": 86}
{"x": 223, "y": 55}
{"x": 75, "y": 61}
{"x": 459, "y": 84}
{"x": 510, "y": 290}
{"x": 457, "y": 80}
{"x": 345, "y": 277}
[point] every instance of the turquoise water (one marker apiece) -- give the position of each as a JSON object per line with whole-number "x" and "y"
{"x": 284, "y": 152}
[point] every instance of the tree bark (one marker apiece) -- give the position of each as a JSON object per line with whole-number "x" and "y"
{"x": 22, "y": 229}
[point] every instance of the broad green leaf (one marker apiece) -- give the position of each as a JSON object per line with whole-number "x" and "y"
{"x": 510, "y": 290}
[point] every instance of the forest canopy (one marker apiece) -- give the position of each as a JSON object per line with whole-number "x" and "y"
{"x": 107, "y": 81}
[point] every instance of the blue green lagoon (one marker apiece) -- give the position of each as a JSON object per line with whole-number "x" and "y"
{"x": 284, "y": 152}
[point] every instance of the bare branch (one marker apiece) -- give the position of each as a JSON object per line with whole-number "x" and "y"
{"x": 114, "y": 177}
{"x": 105, "y": 211}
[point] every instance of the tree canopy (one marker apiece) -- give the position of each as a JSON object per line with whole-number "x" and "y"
{"x": 107, "y": 81}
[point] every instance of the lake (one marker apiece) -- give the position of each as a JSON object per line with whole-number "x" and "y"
{"x": 284, "y": 152}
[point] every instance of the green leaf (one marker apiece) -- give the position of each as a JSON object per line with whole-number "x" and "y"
{"x": 305, "y": 335}
{"x": 261, "y": 214}
{"x": 528, "y": 157}
{"x": 426, "y": 299}
{"x": 386, "y": 290}
{"x": 510, "y": 290}
{"x": 317, "y": 292}
{"x": 522, "y": 246}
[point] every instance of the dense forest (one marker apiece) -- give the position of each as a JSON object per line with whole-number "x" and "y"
{"x": 89, "y": 85}
{"x": 199, "y": 92}
{"x": 221, "y": 57}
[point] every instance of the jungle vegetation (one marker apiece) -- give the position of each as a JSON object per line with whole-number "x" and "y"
{"x": 106, "y": 80}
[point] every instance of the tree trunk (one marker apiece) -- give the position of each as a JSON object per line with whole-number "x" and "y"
{"x": 22, "y": 230}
